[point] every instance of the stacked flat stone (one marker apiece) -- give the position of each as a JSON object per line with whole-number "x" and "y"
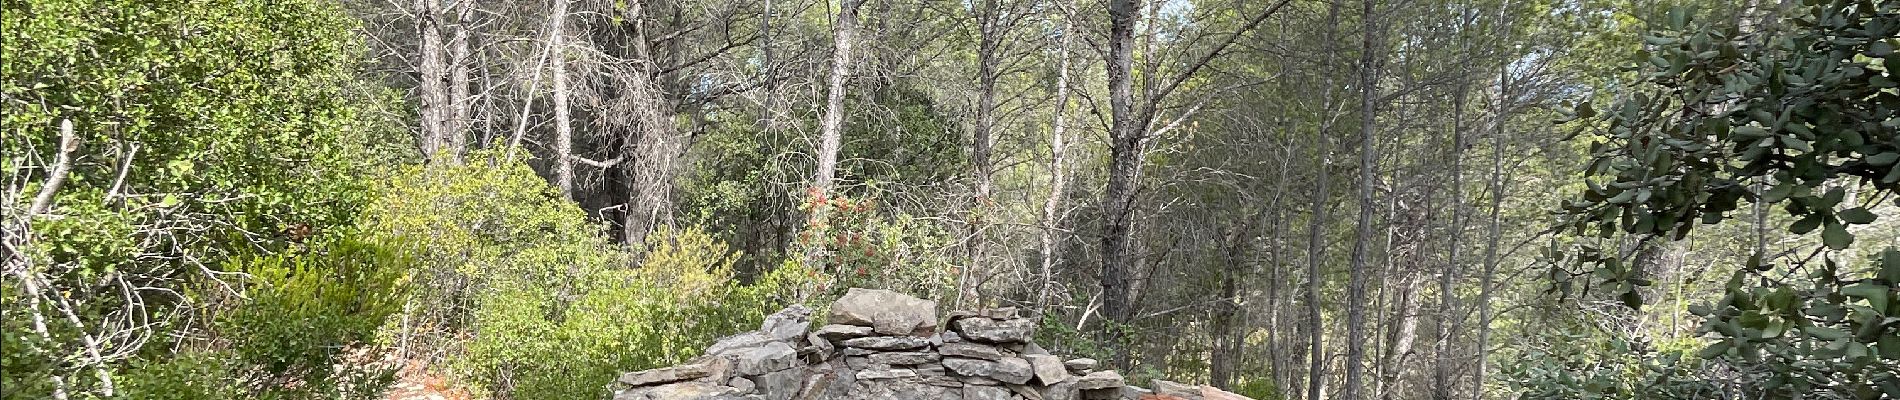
{"x": 879, "y": 344}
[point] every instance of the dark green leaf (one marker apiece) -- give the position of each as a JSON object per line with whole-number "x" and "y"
{"x": 1857, "y": 215}
{"x": 1835, "y": 236}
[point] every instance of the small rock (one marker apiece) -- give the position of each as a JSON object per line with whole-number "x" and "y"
{"x": 836, "y": 332}
{"x": 819, "y": 347}
{"x": 995, "y": 331}
{"x": 1080, "y": 365}
{"x": 788, "y": 324}
{"x": 972, "y": 392}
{"x": 905, "y": 358}
{"x": 1048, "y": 368}
{"x": 971, "y": 350}
{"x": 888, "y": 343}
{"x": 1100, "y": 380}
{"x": 744, "y": 385}
{"x": 876, "y": 374}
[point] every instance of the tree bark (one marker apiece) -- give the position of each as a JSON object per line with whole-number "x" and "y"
{"x": 1124, "y": 167}
{"x": 844, "y": 33}
{"x": 431, "y": 82}
{"x": 990, "y": 30}
{"x": 1491, "y": 248}
{"x": 1058, "y": 166}
{"x": 1444, "y": 385}
{"x": 455, "y": 136}
{"x": 1368, "y": 164}
{"x": 563, "y": 121}
{"x": 1316, "y": 230}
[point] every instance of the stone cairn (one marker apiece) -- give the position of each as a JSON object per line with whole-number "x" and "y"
{"x": 881, "y": 344}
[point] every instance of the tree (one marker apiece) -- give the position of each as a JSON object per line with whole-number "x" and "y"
{"x": 1808, "y": 113}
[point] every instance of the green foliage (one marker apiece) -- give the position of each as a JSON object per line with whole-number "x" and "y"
{"x": 303, "y": 330}
{"x": 533, "y": 343}
{"x": 1794, "y": 118}
{"x": 205, "y": 131}
{"x": 1605, "y": 365}
{"x": 306, "y": 311}
{"x": 481, "y": 224}
{"x": 855, "y": 244}
{"x": 553, "y": 308}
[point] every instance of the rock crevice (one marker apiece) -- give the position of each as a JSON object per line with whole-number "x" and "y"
{"x": 879, "y": 344}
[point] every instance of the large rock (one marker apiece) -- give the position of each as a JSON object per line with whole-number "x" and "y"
{"x": 1100, "y": 380}
{"x": 1007, "y": 370}
{"x": 700, "y": 369}
{"x": 681, "y": 391}
{"x": 1048, "y": 369}
{"x": 779, "y": 385}
{"x": 771, "y": 357}
{"x": 1177, "y": 390}
{"x": 995, "y": 331}
{"x": 736, "y": 342}
{"x": 1212, "y": 393}
{"x": 887, "y": 312}
{"x": 901, "y": 389}
{"x": 788, "y": 324}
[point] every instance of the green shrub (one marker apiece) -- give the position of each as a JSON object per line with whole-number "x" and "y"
{"x": 290, "y": 335}
{"x": 533, "y": 342}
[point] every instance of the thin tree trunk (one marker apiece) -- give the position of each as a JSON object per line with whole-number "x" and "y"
{"x": 989, "y": 29}
{"x": 1058, "y": 166}
{"x": 1316, "y": 232}
{"x": 1125, "y": 150}
{"x": 1491, "y": 249}
{"x": 1368, "y": 164}
{"x": 844, "y": 33}
{"x": 563, "y": 121}
{"x": 1444, "y": 385}
{"x": 455, "y": 137}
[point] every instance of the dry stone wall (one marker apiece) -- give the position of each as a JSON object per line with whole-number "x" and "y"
{"x": 879, "y": 344}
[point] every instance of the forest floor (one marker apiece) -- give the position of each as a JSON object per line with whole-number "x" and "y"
{"x": 417, "y": 382}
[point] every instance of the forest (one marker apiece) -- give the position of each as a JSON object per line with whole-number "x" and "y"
{"x": 1287, "y": 199}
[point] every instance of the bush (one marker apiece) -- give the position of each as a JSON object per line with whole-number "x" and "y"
{"x": 527, "y": 299}
{"x": 532, "y": 342}
{"x": 291, "y": 335}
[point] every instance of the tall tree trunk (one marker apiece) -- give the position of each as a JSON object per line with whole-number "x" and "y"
{"x": 1058, "y": 165}
{"x": 563, "y": 121}
{"x": 844, "y": 32}
{"x": 432, "y": 96}
{"x": 989, "y": 39}
{"x": 1444, "y": 385}
{"x": 1491, "y": 248}
{"x": 1125, "y": 142}
{"x": 1368, "y": 164}
{"x": 1316, "y": 231}
{"x": 455, "y": 137}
